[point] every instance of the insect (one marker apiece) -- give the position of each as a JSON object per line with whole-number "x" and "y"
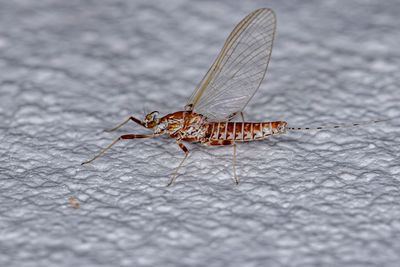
{"x": 74, "y": 203}
{"x": 223, "y": 93}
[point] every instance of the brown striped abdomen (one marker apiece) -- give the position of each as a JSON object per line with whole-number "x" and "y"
{"x": 244, "y": 131}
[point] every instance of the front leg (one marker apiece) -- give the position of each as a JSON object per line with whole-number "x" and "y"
{"x": 130, "y": 118}
{"x": 126, "y": 136}
{"x": 182, "y": 146}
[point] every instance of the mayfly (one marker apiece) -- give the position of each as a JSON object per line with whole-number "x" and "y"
{"x": 223, "y": 93}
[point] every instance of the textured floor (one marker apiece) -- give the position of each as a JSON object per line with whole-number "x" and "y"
{"x": 69, "y": 69}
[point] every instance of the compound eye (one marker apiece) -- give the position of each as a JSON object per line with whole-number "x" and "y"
{"x": 151, "y": 116}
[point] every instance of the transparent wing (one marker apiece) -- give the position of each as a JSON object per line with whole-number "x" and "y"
{"x": 239, "y": 69}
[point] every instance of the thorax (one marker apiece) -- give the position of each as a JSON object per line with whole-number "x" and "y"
{"x": 184, "y": 125}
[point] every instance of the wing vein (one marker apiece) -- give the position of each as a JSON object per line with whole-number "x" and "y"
{"x": 238, "y": 70}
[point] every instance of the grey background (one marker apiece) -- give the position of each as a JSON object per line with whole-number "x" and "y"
{"x": 69, "y": 69}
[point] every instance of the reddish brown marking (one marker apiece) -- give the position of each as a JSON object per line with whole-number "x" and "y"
{"x": 238, "y": 131}
{"x": 265, "y": 129}
{"x": 138, "y": 121}
{"x": 176, "y": 115}
{"x": 275, "y": 124}
{"x": 229, "y": 132}
{"x": 210, "y": 130}
{"x": 221, "y": 134}
{"x": 134, "y": 136}
{"x": 244, "y": 131}
{"x": 213, "y": 130}
{"x": 275, "y": 127}
{"x": 227, "y": 142}
{"x": 257, "y": 127}
{"x": 247, "y": 131}
{"x": 182, "y": 147}
{"x": 221, "y": 143}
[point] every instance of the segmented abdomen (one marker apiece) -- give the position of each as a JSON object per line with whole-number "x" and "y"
{"x": 244, "y": 131}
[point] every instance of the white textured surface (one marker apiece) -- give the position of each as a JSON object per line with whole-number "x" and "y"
{"x": 69, "y": 69}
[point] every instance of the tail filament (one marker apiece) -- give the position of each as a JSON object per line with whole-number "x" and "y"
{"x": 336, "y": 126}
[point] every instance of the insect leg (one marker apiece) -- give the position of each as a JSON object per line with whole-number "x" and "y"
{"x": 241, "y": 114}
{"x": 227, "y": 143}
{"x": 186, "y": 154}
{"x": 126, "y": 136}
{"x": 234, "y": 161}
{"x": 130, "y": 118}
